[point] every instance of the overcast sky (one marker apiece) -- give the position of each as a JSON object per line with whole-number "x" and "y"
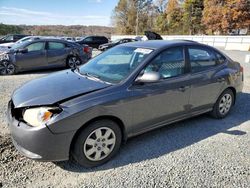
{"x": 57, "y": 12}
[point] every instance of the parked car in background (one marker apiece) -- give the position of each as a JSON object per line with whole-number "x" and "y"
{"x": 8, "y": 45}
{"x": 130, "y": 89}
{"x": 93, "y": 41}
{"x": 79, "y": 38}
{"x": 71, "y": 39}
{"x": 106, "y": 46}
{"x": 11, "y": 38}
{"x": 152, "y": 35}
{"x": 42, "y": 53}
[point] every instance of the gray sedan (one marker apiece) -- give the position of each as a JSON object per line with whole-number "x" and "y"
{"x": 39, "y": 53}
{"x": 85, "y": 114}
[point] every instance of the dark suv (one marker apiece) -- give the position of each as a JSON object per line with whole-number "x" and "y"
{"x": 93, "y": 41}
{"x": 11, "y": 38}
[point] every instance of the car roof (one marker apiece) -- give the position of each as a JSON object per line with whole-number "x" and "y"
{"x": 94, "y": 36}
{"x": 157, "y": 44}
{"x": 44, "y": 39}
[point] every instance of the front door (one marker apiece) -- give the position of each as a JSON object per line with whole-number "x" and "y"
{"x": 154, "y": 104}
{"x": 34, "y": 58}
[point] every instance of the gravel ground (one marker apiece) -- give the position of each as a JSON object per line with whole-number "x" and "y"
{"x": 199, "y": 152}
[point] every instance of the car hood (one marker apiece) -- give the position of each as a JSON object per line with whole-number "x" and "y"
{"x": 54, "y": 88}
{"x": 7, "y": 44}
{"x": 4, "y": 50}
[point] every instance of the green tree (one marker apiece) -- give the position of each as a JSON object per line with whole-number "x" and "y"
{"x": 192, "y": 16}
{"x": 10, "y": 29}
{"x": 125, "y": 16}
{"x": 161, "y": 23}
{"x": 174, "y": 17}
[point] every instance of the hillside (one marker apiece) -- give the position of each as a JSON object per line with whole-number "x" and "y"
{"x": 57, "y": 30}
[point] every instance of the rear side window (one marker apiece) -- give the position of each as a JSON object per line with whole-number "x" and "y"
{"x": 219, "y": 58}
{"x": 17, "y": 37}
{"x": 36, "y": 46}
{"x": 201, "y": 59}
{"x": 55, "y": 45}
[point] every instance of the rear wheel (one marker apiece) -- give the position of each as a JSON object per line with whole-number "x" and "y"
{"x": 224, "y": 104}
{"x": 73, "y": 61}
{"x": 97, "y": 143}
{"x": 7, "y": 68}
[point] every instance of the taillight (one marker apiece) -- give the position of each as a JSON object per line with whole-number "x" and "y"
{"x": 86, "y": 49}
{"x": 241, "y": 69}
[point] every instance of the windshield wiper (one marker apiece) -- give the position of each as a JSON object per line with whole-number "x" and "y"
{"x": 93, "y": 76}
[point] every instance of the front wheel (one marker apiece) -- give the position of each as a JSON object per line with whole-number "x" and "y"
{"x": 7, "y": 68}
{"x": 97, "y": 143}
{"x": 224, "y": 104}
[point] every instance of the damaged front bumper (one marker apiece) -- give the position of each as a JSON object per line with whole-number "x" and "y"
{"x": 38, "y": 142}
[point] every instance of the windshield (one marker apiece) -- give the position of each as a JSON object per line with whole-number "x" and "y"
{"x": 23, "y": 39}
{"x": 19, "y": 45}
{"x": 116, "y": 64}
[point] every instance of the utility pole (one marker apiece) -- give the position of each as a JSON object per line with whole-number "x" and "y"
{"x": 137, "y": 18}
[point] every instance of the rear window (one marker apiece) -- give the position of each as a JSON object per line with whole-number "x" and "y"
{"x": 56, "y": 45}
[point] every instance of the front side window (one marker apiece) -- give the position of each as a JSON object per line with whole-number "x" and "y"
{"x": 115, "y": 64}
{"x": 35, "y": 46}
{"x": 55, "y": 45}
{"x": 169, "y": 63}
{"x": 201, "y": 59}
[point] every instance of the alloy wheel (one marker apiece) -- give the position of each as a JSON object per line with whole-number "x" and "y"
{"x": 225, "y": 104}
{"x": 99, "y": 144}
{"x": 73, "y": 62}
{"x": 7, "y": 68}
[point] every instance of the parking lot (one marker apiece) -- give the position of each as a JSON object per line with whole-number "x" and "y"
{"x": 198, "y": 152}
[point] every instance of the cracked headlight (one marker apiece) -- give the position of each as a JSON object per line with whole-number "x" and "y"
{"x": 39, "y": 116}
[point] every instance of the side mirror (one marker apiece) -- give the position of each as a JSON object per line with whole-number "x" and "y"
{"x": 149, "y": 77}
{"x": 23, "y": 50}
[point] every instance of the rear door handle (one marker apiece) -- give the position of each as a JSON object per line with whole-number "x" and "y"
{"x": 183, "y": 88}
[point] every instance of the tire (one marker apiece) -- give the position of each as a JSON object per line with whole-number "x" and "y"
{"x": 97, "y": 143}
{"x": 223, "y": 104}
{"x": 72, "y": 62}
{"x": 7, "y": 68}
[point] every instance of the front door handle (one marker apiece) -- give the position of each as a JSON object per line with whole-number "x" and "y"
{"x": 220, "y": 79}
{"x": 183, "y": 88}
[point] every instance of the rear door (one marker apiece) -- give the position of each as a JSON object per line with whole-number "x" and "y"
{"x": 205, "y": 80}
{"x": 56, "y": 53}
{"x": 34, "y": 58}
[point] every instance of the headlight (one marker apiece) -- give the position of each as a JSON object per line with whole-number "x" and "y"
{"x": 39, "y": 116}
